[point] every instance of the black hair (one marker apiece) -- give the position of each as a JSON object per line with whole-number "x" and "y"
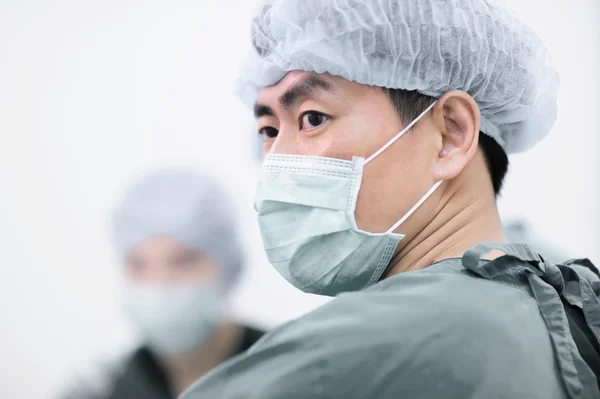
{"x": 410, "y": 104}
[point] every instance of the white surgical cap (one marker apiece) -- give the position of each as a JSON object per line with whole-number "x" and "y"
{"x": 188, "y": 207}
{"x": 431, "y": 46}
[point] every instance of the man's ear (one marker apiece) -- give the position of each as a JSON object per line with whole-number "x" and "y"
{"x": 457, "y": 116}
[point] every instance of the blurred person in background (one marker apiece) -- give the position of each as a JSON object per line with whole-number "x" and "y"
{"x": 387, "y": 125}
{"x": 177, "y": 233}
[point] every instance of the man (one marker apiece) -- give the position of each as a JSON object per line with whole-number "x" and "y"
{"x": 387, "y": 125}
{"x": 177, "y": 233}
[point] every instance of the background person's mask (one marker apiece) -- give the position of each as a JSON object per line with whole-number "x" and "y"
{"x": 305, "y": 208}
{"x": 176, "y": 318}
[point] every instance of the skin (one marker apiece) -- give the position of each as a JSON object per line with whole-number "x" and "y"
{"x": 160, "y": 260}
{"x": 323, "y": 115}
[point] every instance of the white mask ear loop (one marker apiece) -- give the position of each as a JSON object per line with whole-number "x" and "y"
{"x": 414, "y": 208}
{"x": 385, "y": 147}
{"x": 406, "y": 129}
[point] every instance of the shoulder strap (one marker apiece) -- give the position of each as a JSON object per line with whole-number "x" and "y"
{"x": 552, "y": 287}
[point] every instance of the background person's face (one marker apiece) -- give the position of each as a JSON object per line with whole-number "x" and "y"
{"x": 161, "y": 260}
{"x": 333, "y": 117}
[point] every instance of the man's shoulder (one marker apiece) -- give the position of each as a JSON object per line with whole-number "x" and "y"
{"x": 409, "y": 310}
{"x": 402, "y": 301}
{"x": 394, "y": 339}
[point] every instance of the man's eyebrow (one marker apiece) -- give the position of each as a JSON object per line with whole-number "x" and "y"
{"x": 261, "y": 110}
{"x": 303, "y": 89}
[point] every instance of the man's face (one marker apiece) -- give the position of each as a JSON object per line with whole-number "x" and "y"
{"x": 323, "y": 115}
{"x": 161, "y": 260}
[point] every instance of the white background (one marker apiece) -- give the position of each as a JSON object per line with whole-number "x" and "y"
{"x": 94, "y": 93}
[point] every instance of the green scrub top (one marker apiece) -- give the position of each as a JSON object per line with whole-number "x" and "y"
{"x": 459, "y": 329}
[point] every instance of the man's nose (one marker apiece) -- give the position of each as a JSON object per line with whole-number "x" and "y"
{"x": 285, "y": 142}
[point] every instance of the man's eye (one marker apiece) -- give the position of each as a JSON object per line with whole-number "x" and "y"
{"x": 268, "y": 132}
{"x": 310, "y": 120}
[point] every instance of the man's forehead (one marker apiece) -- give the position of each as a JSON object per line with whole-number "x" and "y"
{"x": 294, "y": 77}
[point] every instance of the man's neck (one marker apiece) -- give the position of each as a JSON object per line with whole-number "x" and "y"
{"x": 467, "y": 215}
{"x": 184, "y": 370}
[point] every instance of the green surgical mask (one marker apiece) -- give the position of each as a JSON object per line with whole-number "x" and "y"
{"x": 305, "y": 208}
{"x": 176, "y": 318}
